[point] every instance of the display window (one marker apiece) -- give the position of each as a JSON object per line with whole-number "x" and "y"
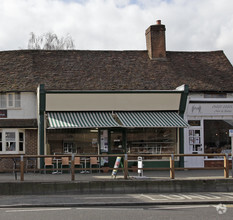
{"x": 80, "y": 141}
{"x": 216, "y": 136}
{"x": 152, "y": 141}
{"x": 94, "y": 141}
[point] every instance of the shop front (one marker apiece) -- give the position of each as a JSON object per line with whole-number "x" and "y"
{"x": 114, "y": 133}
{"x": 210, "y": 121}
{"x": 113, "y": 123}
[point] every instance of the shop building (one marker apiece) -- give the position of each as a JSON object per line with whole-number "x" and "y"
{"x": 107, "y": 101}
{"x": 116, "y": 122}
{"x": 18, "y": 125}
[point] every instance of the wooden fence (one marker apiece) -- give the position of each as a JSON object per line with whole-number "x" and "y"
{"x": 23, "y": 158}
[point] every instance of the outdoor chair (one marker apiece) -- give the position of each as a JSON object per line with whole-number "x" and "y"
{"x": 64, "y": 162}
{"x": 31, "y": 163}
{"x": 16, "y": 164}
{"x": 48, "y": 162}
{"x": 94, "y": 162}
{"x": 77, "y": 162}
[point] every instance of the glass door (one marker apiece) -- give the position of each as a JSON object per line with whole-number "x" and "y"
{"x": 195, "y": 139}
{"x": 117, "y": 141}
{"x": 195, "y": 144}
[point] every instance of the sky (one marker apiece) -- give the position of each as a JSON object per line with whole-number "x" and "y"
{"x": 191, "y": 25}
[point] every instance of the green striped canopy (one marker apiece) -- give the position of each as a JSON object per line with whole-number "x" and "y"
{"x": 151, "y": 119}
{"x": 81, "y": 120}
{"x": 106, "y": 120}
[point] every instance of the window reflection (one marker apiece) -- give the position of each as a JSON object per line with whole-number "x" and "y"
{"x": 216, "y": 136}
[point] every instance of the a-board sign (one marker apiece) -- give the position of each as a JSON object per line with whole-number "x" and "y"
{"x": 117, "y": 164}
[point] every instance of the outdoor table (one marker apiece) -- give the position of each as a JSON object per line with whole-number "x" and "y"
{"x": 57, "y": 160}
{"x": 85, "y": 159}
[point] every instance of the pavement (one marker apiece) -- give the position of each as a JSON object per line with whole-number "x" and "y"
{"x": 147, "y": 175}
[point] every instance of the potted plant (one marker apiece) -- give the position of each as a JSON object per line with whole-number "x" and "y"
{"x": 105, "y": 168}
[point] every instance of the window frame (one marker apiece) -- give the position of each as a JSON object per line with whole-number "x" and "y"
{"x": 17, "y": 141}
{"x": 16, "y": 100}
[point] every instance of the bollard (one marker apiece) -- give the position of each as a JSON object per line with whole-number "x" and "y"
{"x": 140, "y": 166}
{"x": 226, "y": 166}
{"x": 172, "y": 167}
{"x": 72, "y": 168}
{"x": 21, "y": 168}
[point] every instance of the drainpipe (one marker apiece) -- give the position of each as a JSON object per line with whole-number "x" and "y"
{"x": 41, "y": 122}
{"x": 183, "y": 102}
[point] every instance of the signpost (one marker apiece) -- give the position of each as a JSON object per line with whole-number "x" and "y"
{"x": 231, "y": 135}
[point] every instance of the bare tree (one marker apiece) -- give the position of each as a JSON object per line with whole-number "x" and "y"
{"x": 50, "y": 41}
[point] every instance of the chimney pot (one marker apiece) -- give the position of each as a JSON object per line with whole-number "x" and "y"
{"x": 158, "y": 22}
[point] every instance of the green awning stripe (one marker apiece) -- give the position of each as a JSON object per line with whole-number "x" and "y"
{"x": 151, "y": 119}
{"x": 70, "y": 119}
{"x": 81, "y": 120}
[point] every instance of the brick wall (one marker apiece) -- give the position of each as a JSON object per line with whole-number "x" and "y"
{"x": 31, "y": 142}
{"x": 215, "y": 163}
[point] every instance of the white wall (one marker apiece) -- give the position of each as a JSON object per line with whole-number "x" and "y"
{"x": 28, "y": 109}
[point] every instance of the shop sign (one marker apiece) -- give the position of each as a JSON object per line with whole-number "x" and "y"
{"x": 231, "y": 133}
{"x": 3, "y": 113}
{"x": 210, "y": 109}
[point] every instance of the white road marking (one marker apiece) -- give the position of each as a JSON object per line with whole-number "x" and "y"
{"x": 107, "y": 197}
{"x": 173, "y": 197}
{"x": 149, "y": 197}
{"x": 38, "y": 210}
{"x": 184, "y": 207}
{"x": 107, "y": 209}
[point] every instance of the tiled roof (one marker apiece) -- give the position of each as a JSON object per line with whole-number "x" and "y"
{"x": 23, "y": 70}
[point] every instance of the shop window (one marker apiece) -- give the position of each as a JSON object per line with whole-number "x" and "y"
{"x": 152, "y": 141}
{"x": 68, "y": 147}
{"x": 80, "y": 141}
{"x": 11, "y": 141}
{"x": 216, "y": 136}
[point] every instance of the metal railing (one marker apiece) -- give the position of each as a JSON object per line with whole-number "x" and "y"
{"x": 22, "y": 158}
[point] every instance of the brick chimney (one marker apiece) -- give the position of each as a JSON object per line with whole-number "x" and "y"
{"x": 155, "y": 40}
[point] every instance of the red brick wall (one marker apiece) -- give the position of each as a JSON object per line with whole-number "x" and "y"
{"x": 31, "y": 142}
{"x": 215, "y": 163}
